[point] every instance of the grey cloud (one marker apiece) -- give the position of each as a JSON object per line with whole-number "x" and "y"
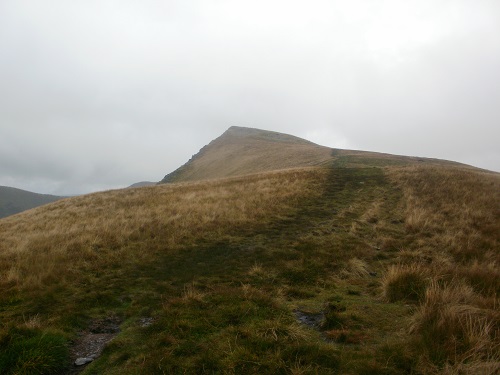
{"x": 101, "y": 94}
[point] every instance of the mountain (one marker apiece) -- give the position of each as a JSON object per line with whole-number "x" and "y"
{"x": 309, "y": 261}
{"x": 13, "y": 201}
{"x": 241, "y": 151}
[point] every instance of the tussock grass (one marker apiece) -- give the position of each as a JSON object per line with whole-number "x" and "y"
{"x": 483, "y": 277}
{"x": 355, "y": 268}
{"x": 405, "y": 283}
{"x": 452, "y": 221}
{"x": 451, "y": 329}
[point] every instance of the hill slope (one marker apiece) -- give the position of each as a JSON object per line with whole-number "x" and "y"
{"x": 240, "y": 151}
{"x": 352, "y": 267}
{"x": 13, "y": 201}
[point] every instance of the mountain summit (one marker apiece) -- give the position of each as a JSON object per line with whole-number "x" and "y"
{"x": 240, "y": 151}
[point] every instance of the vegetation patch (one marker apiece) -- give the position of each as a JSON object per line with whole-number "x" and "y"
{"x": 33, "y": 351}
{"x": 405, "y": 283}
{"x": 355, "y": 269}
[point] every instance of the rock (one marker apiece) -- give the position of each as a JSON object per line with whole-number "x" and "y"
{"x": 83, "y": 361}
{"x": 145, "y": 322}
{"x": 310, "y": 319}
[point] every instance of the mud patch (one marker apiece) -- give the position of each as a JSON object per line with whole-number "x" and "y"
{"x": 110, "y": 324}
{"x": 91, "y": 342}
{"x": 312, "y": 320}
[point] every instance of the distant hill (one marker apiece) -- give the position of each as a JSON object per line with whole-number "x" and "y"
{"x": 142, "y": 183}
{"x": 241, "y": 151}
{"x": 13, "y": 201}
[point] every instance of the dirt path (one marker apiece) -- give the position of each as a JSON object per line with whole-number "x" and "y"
{"x": 92, "y": 341}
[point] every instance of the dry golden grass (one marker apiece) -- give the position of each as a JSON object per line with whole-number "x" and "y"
{"x": 457, "y": 209}
{"x": 259, "y": 157}
{"x": 453, "y": 223}
{"x": 355, "y": 268}
{"x": 452, "y": 329}
{"x": 405, "y": 282}
{"x": 238, "y": 255}
{"x": 55, "y": 243}
{"x": 192, "y": 293}
{"x": 243, "y": 151}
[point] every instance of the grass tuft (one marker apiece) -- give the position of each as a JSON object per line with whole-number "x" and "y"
{"x": 404, "y": 283}
{"x": 355, "y": 268}
{"x": 448, "y": 328}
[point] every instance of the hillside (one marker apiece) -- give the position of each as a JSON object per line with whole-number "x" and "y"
{"x": 348, "y": 265}
{"x": 13, "y": 201}
{"x": 240, "y": 151}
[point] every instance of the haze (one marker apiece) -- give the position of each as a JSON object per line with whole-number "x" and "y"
{"x": 101, "y": 94}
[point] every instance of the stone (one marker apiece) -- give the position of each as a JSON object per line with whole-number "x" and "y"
{"x": 83, "y": 361}
{"x": 145, "y": 322}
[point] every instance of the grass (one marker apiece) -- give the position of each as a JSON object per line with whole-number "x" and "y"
{"x": 109, "y": 229}
{"x": 25, "y": 350}
{"x": 452, "y": 218}
{"x": 399, "y": 264}
{"x": 451, "y": 328}
{"x": 405, "y": 283}
{"x": 242, "y": 151}
{"x": 239, "y": 329}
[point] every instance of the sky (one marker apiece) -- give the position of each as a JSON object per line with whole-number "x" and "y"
{"x": 100, "y": 94}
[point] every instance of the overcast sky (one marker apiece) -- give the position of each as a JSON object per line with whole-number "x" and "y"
{"x": 101, "y": 94}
